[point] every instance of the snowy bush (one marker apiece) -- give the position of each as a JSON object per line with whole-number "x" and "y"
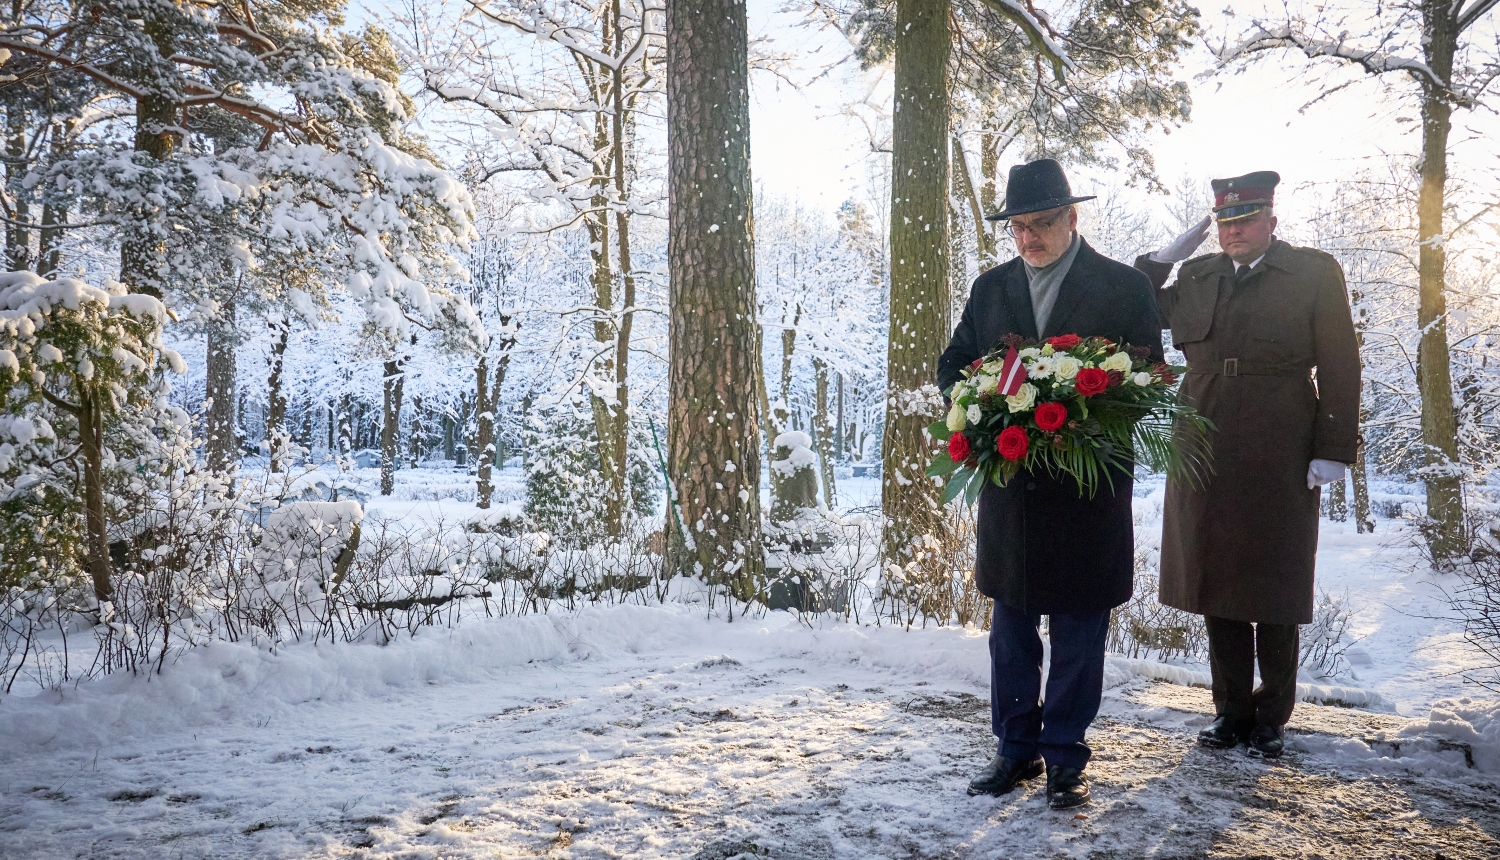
{"x": 565, "y": 490}
{"x": 1143, "y": 627}
{"x": 1325, "y": 641}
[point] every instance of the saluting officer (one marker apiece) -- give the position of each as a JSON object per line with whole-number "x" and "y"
{"x": 1273, "y": 362}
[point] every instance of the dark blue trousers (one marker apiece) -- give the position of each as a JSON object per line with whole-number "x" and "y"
{"x": 1024, "y": 723}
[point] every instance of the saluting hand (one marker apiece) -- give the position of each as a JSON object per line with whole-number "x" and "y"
{"x": 1183, "y": 246}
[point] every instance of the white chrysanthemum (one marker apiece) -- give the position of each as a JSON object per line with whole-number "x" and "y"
{"x": 1142, "y": 379}
{"x": 1066, "y": 366}
{"x": 956, "y": 418}
{"x": 974, "y": 414}
{"x": 1022, "y": 400}
{"x": 1042, "y": 368}
{"x": 993, "y": 367}
{"x": 988, "y": 384}
{"x": 1029, "y": 353}
{"x": 1119, "y": 361}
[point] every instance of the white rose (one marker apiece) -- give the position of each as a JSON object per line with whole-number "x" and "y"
{"x": 960, "y": 391}
{"x": 988, "y": 384}
{"x": 1142, "y": 379}
{"x": 1041, "y": 368}
{"x": 1119, "y": 361}
{"x": 956, "y": 418}
{"x": 1022, "y": 400}
{"x": 1067, "y": 366}
{"x": 1030, "y": 353}
{"x": 974, "y": 414}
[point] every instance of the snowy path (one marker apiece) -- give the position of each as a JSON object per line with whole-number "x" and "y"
{"x": 711, "y": 749}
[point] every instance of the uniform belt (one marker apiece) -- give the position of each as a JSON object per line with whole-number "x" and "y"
{"x": 1240, "y": 367}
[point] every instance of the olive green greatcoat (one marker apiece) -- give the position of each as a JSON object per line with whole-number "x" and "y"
{"x": 1242, "y": 545}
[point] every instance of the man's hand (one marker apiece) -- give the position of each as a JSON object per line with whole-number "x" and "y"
{"x": 1322, "y": 472}
{"x": 1183, "y": 246}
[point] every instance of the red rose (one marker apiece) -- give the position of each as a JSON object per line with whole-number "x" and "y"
{"x": 1065, "y": 341}
{"x": 1091, "y": 381}
{"x": 958, "y": 447}
{"x": 1050, "y": 416}
{"x": 1165, "y": 373}
{"x": 1116, "y": 377}
{"x": 1012, "y": 443}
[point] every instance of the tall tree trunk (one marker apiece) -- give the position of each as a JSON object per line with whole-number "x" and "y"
{"x": 390, "y": 421}
{"x": 17, "y": 236}
{"x": 486, "y": 401}
{"x": 222, "y": 446}
{"x": 1445, "y": 530}
{"x": 1363, "y": 522}
{"x": 623, "y": 169}
{"x": 713, "y": 441}
{"x": 1338, "y": 501}
{"x": 824, "y": 432}
{"x": 346, "y": 427}
{"x": 416, "y": 439}
{"x": 156, "y": 134}
{"x": 919, "y": 305}
{"x": 276, "y": 435}
{"x": 484, "y": 434}
{"x": 841, "y": 447}
{"x": 90, "y": 417}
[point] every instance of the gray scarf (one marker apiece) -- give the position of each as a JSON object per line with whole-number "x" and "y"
{"x": 1046, "y": 282}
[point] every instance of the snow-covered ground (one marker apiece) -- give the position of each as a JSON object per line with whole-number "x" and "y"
{"x": 657, "y": 732}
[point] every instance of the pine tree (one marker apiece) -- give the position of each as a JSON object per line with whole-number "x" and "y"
{"x": 713, "y": 439}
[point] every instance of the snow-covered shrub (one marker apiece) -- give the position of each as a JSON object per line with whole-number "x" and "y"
{"x": 566, "y": 493}
{"x": 1143, "y": 627}
{"x": 79, "y": 366}
{"x": 1326, "y": 640}
{"x": 937, "y": 584}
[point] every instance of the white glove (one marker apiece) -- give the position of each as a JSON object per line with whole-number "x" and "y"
{"x": 1183, "y": 246}
{"x": 1322, "y": 472}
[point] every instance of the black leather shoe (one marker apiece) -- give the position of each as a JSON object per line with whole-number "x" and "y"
{"x": 1224, "y": 733}
{"x": 1003, "y": 774}
{"x": 1066, "y": 787}
{"x": 1267, "y": 742}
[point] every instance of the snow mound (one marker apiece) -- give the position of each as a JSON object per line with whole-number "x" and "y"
{"x": 1466, "y": 722}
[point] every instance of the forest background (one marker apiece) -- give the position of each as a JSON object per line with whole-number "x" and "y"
{"x": 273, "y": 261}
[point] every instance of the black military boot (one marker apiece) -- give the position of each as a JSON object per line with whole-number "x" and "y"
{"x": 1066, "y": 787}
{"x": 1224, "y": 733}
{"x": 1267, "y": 742}
{"x": 1003, "y": 774}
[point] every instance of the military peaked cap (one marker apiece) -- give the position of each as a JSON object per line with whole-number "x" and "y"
{"x": 1244, "y": 196}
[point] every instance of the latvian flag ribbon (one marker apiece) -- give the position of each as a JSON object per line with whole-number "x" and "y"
{"x": 1012, "y": 373}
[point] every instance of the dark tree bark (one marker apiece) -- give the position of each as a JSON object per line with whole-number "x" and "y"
{"x": 222, "y": 445}
{"x": 17, "y": 237}
{"x": 90, "y": 415}
{"x": 276, "y": 435}
{"x": 713, "y": 440}
{"x": 486, "y": 401}
{"x": 919, "y": 306}
{"x": 390, "y": 420}
{"x": 824, "y": 432}
{"x": 1446, "y": 532}
{"x": 156, "y": 134}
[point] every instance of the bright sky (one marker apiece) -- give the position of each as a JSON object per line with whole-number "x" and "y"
{"x": 802, "y": 146}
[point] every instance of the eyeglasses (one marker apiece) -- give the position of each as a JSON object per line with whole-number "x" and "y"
{"x": 1035, "y": 228}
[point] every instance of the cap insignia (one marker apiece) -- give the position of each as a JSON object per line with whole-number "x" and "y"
{"x": 1232, "y": 197}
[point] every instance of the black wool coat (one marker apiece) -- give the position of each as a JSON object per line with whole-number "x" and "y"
{"x": 1044, "y": 547}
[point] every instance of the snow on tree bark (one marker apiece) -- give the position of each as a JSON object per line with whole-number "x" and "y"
{"x": 713, "y": 441}
{"x": 919, "y": 302}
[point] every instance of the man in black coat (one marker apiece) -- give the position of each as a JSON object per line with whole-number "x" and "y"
{"x": 1044, "y": 547}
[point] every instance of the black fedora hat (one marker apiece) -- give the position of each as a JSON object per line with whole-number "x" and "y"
{"x": 1036, "y": 187}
